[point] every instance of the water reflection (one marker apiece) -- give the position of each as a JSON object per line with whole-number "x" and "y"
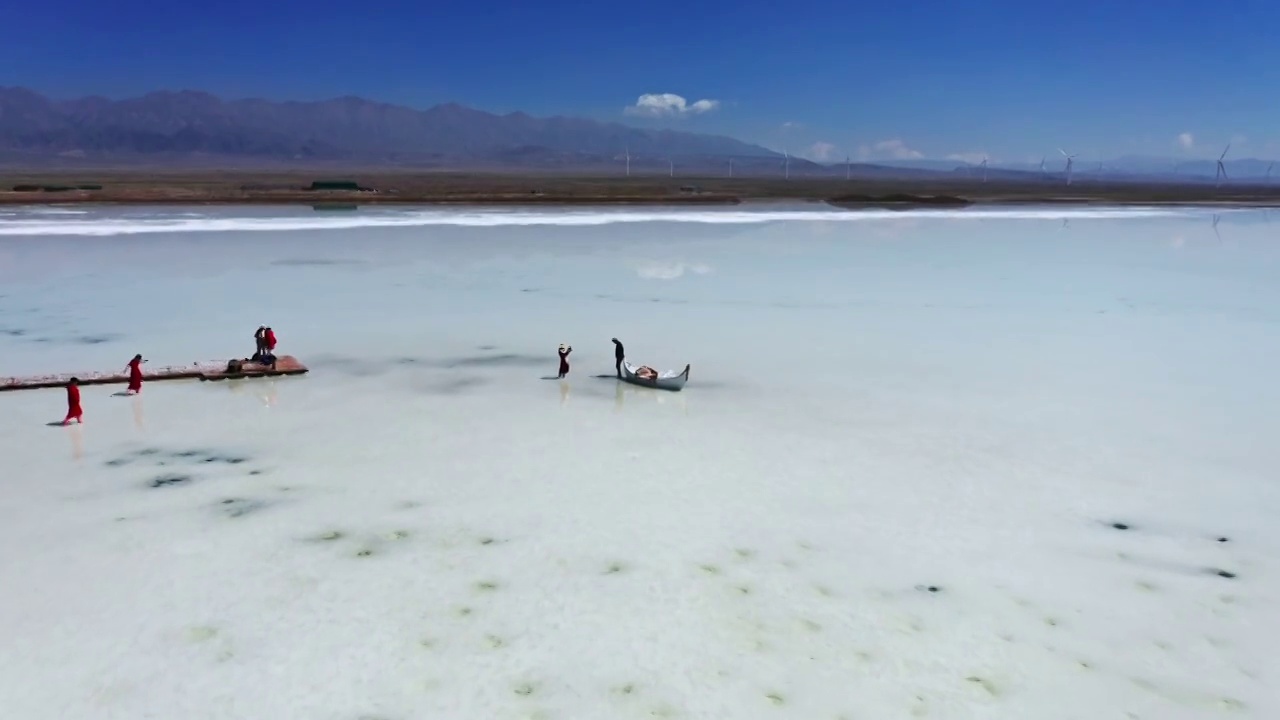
{"x": 77, "y": 441}
{"x": 564, "y": 392}
{"x": 265, "y": 390}
{"x": 137, "y": 412}
{"x": 648, "y": 396}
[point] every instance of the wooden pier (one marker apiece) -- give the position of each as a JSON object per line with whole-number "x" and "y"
{"x": 211, "y": 370}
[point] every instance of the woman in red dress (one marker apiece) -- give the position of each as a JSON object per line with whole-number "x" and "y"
{"x": 564, "y": 359}
{"x": 135, "y": 375}
{"x": 73, "y": 403}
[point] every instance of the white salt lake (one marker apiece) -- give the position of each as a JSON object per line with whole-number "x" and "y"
{"x": 970, "y": 464}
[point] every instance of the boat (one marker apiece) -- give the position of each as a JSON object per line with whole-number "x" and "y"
{"x": 211, "y": 370}
{"x": 669, "y": 380}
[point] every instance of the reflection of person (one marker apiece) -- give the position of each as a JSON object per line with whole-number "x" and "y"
{"x": 618, "y": 355}
{"x": 563, "y": 352}
{"x": 135, "y": 374}
{"x": 74, "y": 412}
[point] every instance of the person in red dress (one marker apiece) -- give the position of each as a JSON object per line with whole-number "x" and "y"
{"x": 74, "y": 412}
{"x": 135, "y": 375}
{"x": 564, "y": 359}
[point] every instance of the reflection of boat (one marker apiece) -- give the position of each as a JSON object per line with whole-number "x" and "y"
{"x": 641, "y": 398}
{"x": 669, "y": 380}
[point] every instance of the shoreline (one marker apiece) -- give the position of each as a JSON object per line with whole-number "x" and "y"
{"x": 344, "y": 204}
{"x": 380, "y": 188}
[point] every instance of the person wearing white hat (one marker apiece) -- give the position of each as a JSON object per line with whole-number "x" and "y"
{"x": 564, "y": 358}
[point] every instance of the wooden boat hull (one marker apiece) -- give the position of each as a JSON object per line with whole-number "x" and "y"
{"x": 212, "y": 370}
{"x": 669, "y": 380}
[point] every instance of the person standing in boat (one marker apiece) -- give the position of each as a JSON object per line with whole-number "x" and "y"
{"x": 260, "y": 342}
{"x": 74, "y": 411}
{"x": 564, "y": 359}
{"x": 618, "y": 354}
{"x": 135, "y": 374}
{"x": 269, "y": 337}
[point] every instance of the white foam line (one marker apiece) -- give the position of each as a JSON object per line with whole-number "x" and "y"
{"x": 498, "y": 218}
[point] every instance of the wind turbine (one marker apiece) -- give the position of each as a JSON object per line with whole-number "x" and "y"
{"x": 627, "y": 153}
{"x": 672, "y": 164}
{"x": 786, "y": 164}
{"x": 1269, "y": 172}
{"x": 1070, "y": 162}
{"x": 1042, "y": 166}
{"x": 1221, "y": 174}
{"x": 984, "y": 168}
{"x": 848, "y": 167}
{"x": 730, "y": 167}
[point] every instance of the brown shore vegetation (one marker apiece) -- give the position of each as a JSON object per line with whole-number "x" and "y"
{"x": 376, "y": 187}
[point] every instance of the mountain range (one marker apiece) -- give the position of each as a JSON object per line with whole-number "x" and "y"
{"x": 169, "y": 125}
{"x": 189, "y": 129}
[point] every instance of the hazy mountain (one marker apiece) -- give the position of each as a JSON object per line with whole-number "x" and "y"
{"x": 170, "y": 125}
{"x": 193, "y": 129}
{"x": 1129, "y": 167}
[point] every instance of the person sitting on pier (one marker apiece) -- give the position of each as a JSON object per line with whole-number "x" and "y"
{"x": 135, "y": 374}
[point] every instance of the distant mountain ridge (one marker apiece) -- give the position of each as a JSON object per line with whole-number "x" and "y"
{"x": 343, "y": 129}
{"x": 192, "y": 130}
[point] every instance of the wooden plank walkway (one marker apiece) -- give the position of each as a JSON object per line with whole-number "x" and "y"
{"x": 210, "y": 370}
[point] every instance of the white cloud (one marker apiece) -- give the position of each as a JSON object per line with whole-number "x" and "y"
{"x": 888, "y": 150}
{"x": 670, "y": 271}
{"x": 821, "y": 152}
{"x": 669, "y": 105}
{"x": 1186, "y": 140}
{"x": 973, "y": 158}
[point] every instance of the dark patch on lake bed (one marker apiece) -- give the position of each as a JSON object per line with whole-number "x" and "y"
{"x": 454, "y": 386}
{"x": 162, "y": 457}
{"x": 170, "y": 479}
{"x": 239, "y": 507}
{"x": 95, "y": 339}
{"x": 504, "y": 360}
{"x": 305, "y": 262}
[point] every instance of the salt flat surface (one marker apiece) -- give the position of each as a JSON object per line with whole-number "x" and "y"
{"x": 933, "y": 465}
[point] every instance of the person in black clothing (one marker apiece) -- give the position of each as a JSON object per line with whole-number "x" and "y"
{"x": 618, "y": 355}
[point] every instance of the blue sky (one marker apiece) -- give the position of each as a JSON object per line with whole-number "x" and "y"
{"x": 1015, "y": 80}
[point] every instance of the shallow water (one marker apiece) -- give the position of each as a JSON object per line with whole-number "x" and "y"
{"x": 880, "y": 404}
